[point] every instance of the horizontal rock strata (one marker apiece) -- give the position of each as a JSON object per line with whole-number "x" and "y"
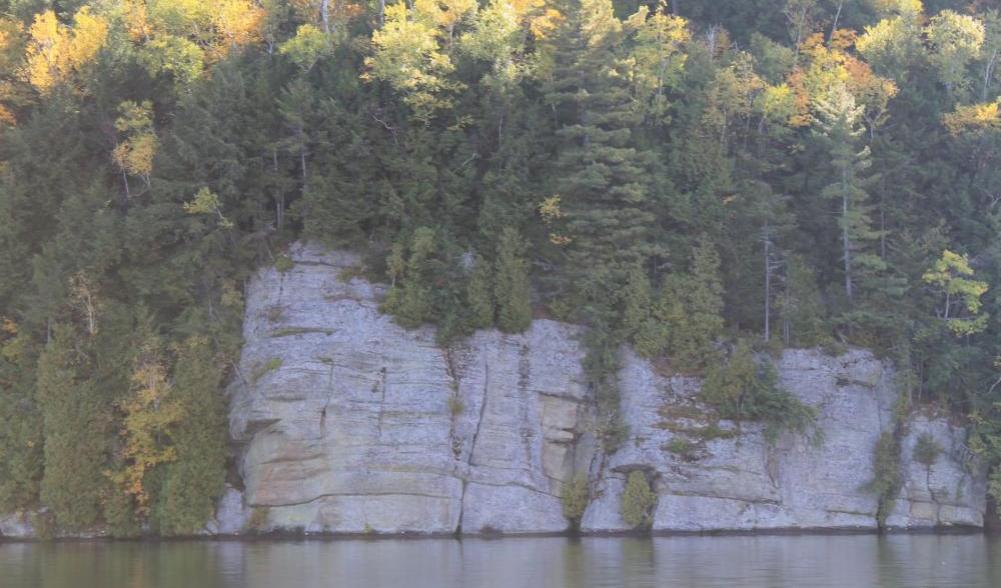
{"x": 348, "y": 423}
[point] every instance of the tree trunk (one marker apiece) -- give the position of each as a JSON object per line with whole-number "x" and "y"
{"x": 325, "y": 15}
{"x": 786, "y": 323}
{"x": 125, "y": 180}
{"x": 279, "y": 197}
{"x": 302, "y": 162}
{"x": 989, "y": 73}
{"x": 768, "y": 283}
{"x": 837, "y": 16}
{"x": 846, "y": 245}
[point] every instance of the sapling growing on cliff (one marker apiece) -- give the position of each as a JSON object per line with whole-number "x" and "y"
{"x": 746, "y": 387}
{"x": 638, "y": 501}
{"x": 927, "y": 450}
{"x": 574, "y": 499}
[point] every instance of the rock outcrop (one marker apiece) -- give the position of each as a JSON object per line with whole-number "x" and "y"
{"x": 352, "y": 424}
{"x": 710, "y": 476}
{"x": 348, "y": 423}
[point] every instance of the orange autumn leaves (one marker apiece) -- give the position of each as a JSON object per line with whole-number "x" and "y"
{"x": 825, "y": 67}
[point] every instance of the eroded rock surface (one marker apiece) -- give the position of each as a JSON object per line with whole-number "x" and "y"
{"x": 352, "y": 424}
{"x": 711, "y": 476}
{"x": 349, "y": 423}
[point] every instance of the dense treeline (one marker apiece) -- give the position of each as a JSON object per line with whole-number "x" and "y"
{"x": 695, "y": 179}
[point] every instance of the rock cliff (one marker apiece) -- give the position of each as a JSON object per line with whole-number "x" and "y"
{"x": 348, "y": 423}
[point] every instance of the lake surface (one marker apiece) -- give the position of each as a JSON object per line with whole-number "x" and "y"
{"x": 812, "y": 561}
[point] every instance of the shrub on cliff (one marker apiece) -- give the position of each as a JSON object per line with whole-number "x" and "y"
{"x": 887, "y": 478}
{"x": 638, "y": 501}
{"x": 574, "y": 499}
{"x": 927, "y": 450}
{"x": 746, "y": 388}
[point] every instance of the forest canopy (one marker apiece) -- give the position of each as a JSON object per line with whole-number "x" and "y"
{"x": 691, "y": 178}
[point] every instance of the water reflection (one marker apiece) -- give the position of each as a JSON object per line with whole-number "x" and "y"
{"x": 696, "y": 562}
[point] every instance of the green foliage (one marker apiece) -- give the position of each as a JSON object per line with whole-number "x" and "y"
{"x": 511, "y": 287}
{"x": 687, "y": 319}
{"x": 21, "y": 438}
{"x": 614, "y": 162}
{"x": 78, "y": 430}
{"x": 574, "y": 498}
{"x": 480, "y": 295}
{"x": 700, "y": 319}
{"x": 638, "y": 501}
{"x": 456, "y": 406}
{"x": 801, "y": 308}
{"x": 681, "y": 447}
{"x": 284, "y": 263}
{"x": 258, "y": 518}
{"x": 887, "y": 478}
{"x": 308, "y": 46}
{"x": 195, "y": 478}
{"x": 265, "y": 368}
{"x": 745, "y": 388}
{"x": 410, "y": 301}
{"x": 44, "y": 525}
{"x": 951, "y": 274}
{"x": 927, "y": 450}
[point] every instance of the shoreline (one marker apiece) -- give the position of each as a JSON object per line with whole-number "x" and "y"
{"x": 298, "y": 536}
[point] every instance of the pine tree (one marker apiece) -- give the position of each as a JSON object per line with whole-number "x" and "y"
{"x": 602, "y": 176}
{"x": 196, "y": 477}
{"x": 800, "y": 306}
{"x": 77, "y": 424}
{"x": 636, "y": 301}
{"x": 696, "y": 307}
{"x": 511, "y": 287}
{"x": 839, "y": 121}
{"x": 21, "y": 439}
{"x": 480, "y": 295}
{"x": 411, "y": 299}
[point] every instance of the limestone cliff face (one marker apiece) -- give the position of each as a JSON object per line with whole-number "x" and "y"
{"x": 348, "y": 423}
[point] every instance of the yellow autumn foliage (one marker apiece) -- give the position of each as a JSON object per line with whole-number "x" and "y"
{"x": 150, "y": 411}
{"x": 134, "y": 154}
{"x": 974, "y": 118}
{"x": 56, "y": 51}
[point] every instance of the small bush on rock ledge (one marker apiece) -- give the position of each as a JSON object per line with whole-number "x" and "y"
{"x": 575, "y": 498}
{"x": 927, "y": 450}
{"x": 638, "y": 501}
{"x": 744, "y": 388}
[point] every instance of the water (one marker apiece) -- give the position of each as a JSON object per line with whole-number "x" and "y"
{"x": 854, "y": 561}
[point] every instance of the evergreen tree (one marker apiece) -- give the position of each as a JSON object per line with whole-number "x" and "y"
{"x": 411, "y": 300}
{"x": 692, "y": 306}
{"x": 839, "y": 121}
{"x": 195, "y": 478}
{"x": 602, "y": 176}
{"x": 77, "y": 420}
{"x": 511, "y": 287}
{"x": 21, "y": 435}
{"x": 480, "y": 295}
